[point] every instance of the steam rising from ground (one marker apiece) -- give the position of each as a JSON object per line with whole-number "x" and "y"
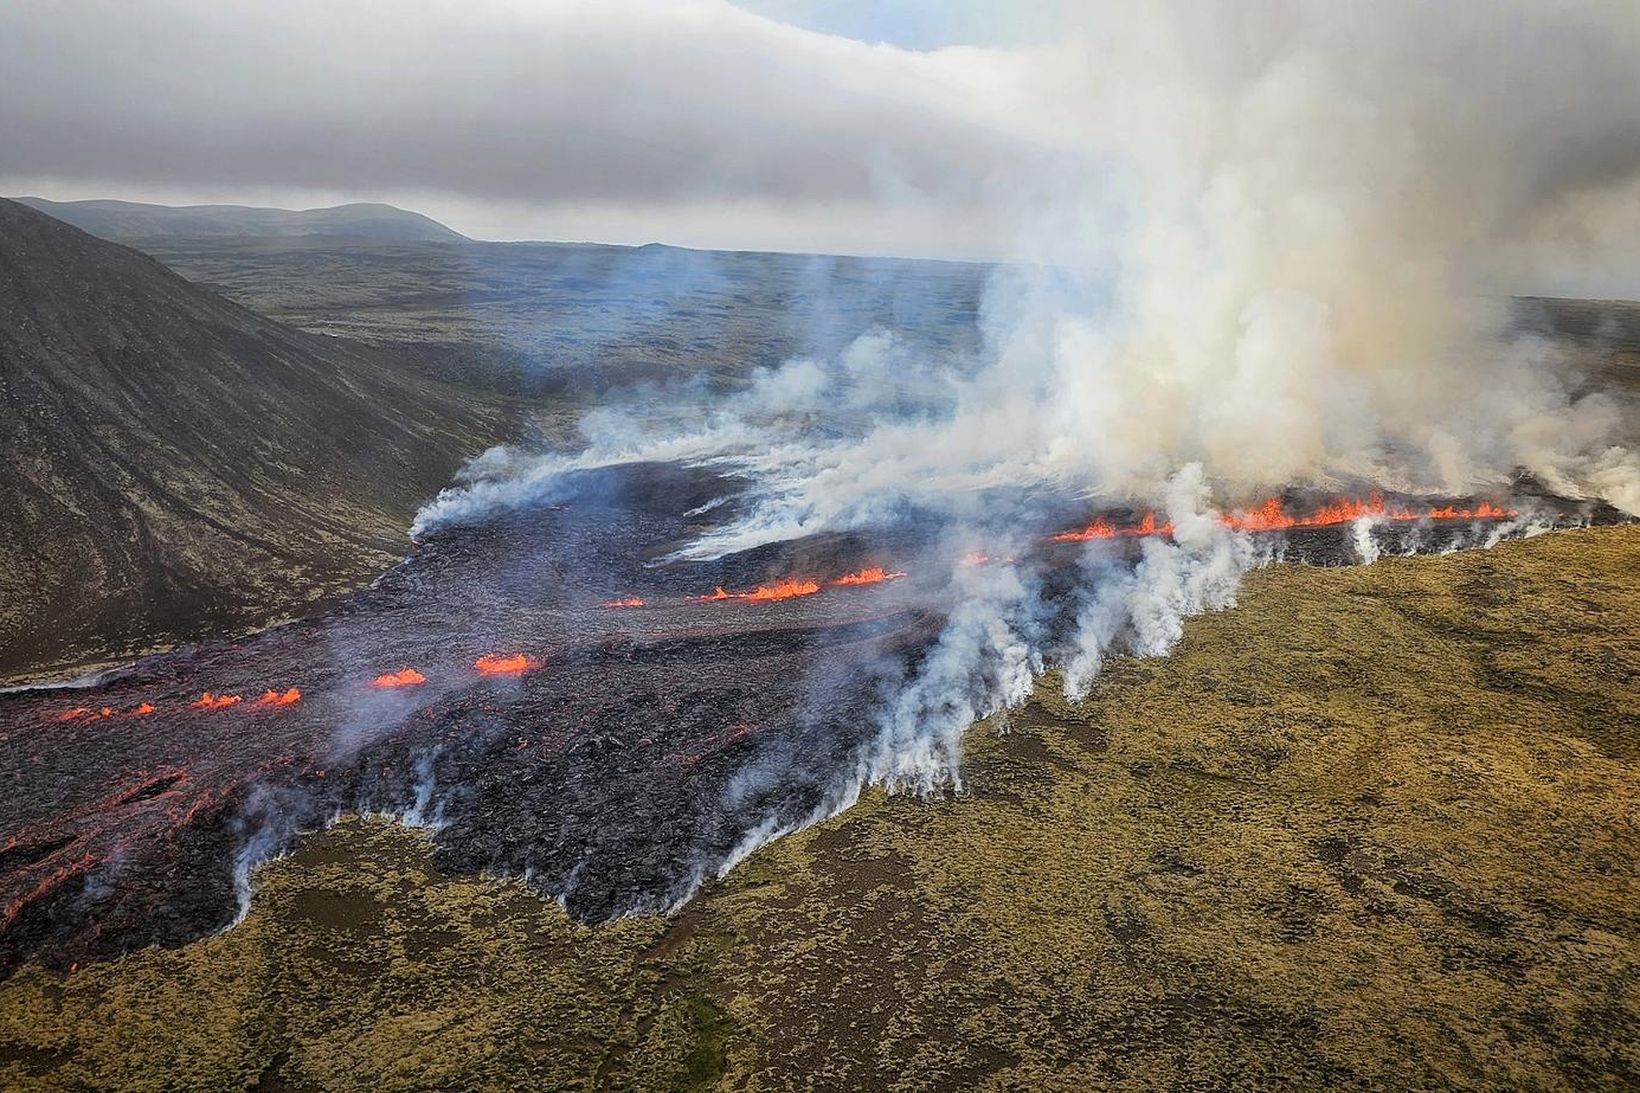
{"x": 1279, "y": 255}
{"x": 1309, "y": 212}
{"x": 1278, "y": 251}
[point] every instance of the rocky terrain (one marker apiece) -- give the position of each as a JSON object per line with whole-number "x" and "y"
{"x": 573, "y": 319}
{"x": 189, "y": 467}
{"x": 1373, "y": 827}
{"x": 177, "y": 465}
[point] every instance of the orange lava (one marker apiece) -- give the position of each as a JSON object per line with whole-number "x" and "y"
{"x": 874, "y": 575}
{"x": 143, "y": 710}
{"x": 1271, "y": 516}
{"x": 1148, "y": 526}
{"x": 70, "y": 715}
{"x": 492, "y": 664}
{"x": 208, "y": 701}
{"x": 1483, "y": 511}
{"x": 625, "y": 601}
{"x": 975, "y": 557}
{"x": 1104, "y": 529}
{"x": 784, "y": 589}
{"x": 404, "y": 677}
{"x": 280, "y": 698}
{"x": 1099, "y": 529}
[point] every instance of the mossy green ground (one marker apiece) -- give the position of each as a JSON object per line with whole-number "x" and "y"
{"x": 1374, "y": 827}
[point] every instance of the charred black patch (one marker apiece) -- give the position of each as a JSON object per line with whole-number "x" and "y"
{"x": 21, "y": 854}
{"x": 151, "y": 789}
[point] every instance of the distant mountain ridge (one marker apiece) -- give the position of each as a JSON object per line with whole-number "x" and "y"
{"x": 132, "y": 220}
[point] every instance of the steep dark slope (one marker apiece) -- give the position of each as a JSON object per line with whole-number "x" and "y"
{"x": 173, "y": 463}
{"x": 126, "y": 220}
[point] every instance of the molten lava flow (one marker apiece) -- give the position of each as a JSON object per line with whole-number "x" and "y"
{"x": 1104, "y": 529}
{"x": 208, "y": 701}
{"x": 975, "y": 557}
{"x": 874, "y": 575}
{"x": 280, "y": 698}
{"x": 143, "y": 710}
{"x": 1148, "y": 526}
{"x": 1271, "y": 516}
{"x": 1099, "y": 529}
{"x": 404, "y": 677}
{"x": 70, "y": 715}
{"x": 492, "y": 664}
{"x": 625, "y": 601}
{"x": 784, "y": 589}
{"x": 1484, "y": 511}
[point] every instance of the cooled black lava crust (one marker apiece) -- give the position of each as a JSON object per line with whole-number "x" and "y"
{"x": 637, "y": 752}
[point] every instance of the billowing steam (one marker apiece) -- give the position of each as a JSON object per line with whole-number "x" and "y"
{"x": 1274, "y": 239}
{"x": 1272, "y": 246}
{"x": 1288, "y": 267}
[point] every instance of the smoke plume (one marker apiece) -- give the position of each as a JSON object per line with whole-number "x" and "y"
{"x": 1273, "y": 245}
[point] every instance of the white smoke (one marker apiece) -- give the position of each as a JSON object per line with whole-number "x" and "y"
{"x": 423, "y": 811}
{"x": 266, "y": 827}
{"x": 987, "y": 659}
{"x": 1366, "y": 547}
{"x": 1272, "y": 247}
{"x": 1142, "y": 612}
{"x": 1273, "y": 239}
{"x": 1279, "y": 256}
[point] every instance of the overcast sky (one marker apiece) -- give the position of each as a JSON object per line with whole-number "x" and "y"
{"x": 834, "y": 125}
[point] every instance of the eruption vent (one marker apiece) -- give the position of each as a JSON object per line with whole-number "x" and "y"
{"x": 784, "y": 589}
{"x": 1104, "y": 529}
{"x": 873, "y": 575}
{"x": 493, "y": 664}
{"x": 1271, "y": 516}
{"x": 404, "y": 677}
{"x": 208, "y": 701}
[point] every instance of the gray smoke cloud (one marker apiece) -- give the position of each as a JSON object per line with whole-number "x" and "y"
{"x": 1290, "y": 273}
{"x": 1279, "y": 255}
{"x": 1277, "y": 261}
{"x": 1287, "y": 266}
{"x": 687, "y": 121}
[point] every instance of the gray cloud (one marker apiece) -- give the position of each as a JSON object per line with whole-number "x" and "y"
{"x": 624, "y": 104}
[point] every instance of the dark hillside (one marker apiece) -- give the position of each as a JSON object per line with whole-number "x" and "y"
{"x": 176, "y": 463}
